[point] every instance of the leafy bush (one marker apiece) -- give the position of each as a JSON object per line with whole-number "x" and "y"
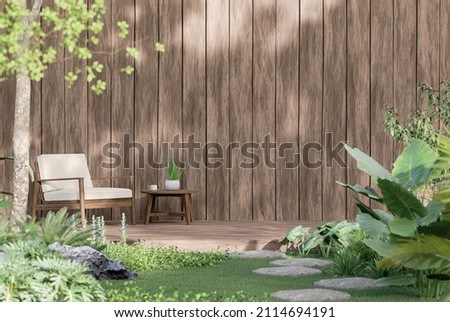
{"x": 31, "y": 272}
{"x": 131, "y": 293}
{"x": 140, "y": 257}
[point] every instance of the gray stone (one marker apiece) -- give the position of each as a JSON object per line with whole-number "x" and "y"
{"x": 287, "y": 271}
{"x": 310, "y": 295}
{"x": 306, "y": 262}
{"x": 347, "y": 283}
{"x": 101, "y": 266}
{"x": 3, "y": 256}
{"x": 257, "y": 254}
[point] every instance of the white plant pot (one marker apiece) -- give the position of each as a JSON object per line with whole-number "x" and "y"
{"x": 172, "y": 184}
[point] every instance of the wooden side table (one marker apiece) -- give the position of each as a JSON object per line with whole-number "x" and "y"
{"x": 186, "y": 196}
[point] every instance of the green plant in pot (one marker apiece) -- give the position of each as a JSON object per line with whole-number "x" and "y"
{"x": 173, "y": 175}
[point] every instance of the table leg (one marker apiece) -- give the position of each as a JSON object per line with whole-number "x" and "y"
{"x": 150, "y": 207}
{"x": 186, "y": 208}
{"x": 191, "y": 207}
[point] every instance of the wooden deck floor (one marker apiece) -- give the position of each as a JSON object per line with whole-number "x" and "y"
{"x": 232, "y": 236}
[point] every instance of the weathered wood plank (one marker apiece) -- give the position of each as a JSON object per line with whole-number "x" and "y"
{"x": 217, "y": 199}
{"x": 264, "y": 49}
{"x": 287, "y": 71}
{"x": 194, "y": 99}
{"x": 334, "y": 109}
{"x": 445, "y": 39}
{"x": 310, "y": 116}
{"x": 146, "y": 100}
{"x": 170, "y": 84}
{"x": 382, "y": 79}
{"x": 53, "y": 127}
{"x": 358, "y": 91}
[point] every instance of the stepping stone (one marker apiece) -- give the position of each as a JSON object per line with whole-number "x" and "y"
{"x": 306, "y": 262}
{"x": 347, "y": 283}
{"x": 311, "y": 295}
{"x": 257, "y": 254}
{"x": 287, "y": 271}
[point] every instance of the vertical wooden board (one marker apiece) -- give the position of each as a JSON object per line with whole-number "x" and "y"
{"x": 445, "y": 39}
{"x": 264, "y": 51}
{"x": 310, "y": 115}
{"x": 382, "y": 66}
{"x": 76, "y": 108}
{"x": 428, "y": 42}
{"x": 53, "y": 88}
{"x": 358, "y": 91}
{"x": 217, "y": 42}
{"x": 146, "y": 100}
{"x": 122, "y": 96}
{"x": 7, "y": 104}
{"x": 405, "y": 64}
{"x": 334, "y": 109}
{"x": 99, "y": 114}
{"x": 241, "y": 31}
{"x": 35, "y": 122}
{"x": 287, "y": 71}
{"x": 170, "y": 82}
{"x": 194, "y": 99}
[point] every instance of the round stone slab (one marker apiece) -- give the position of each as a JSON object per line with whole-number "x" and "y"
{"x": 311, "y": 295}
{"x": 257, "y": 254}
{"x": 287, "y": 271}
{"x": 347, "y": 283}
{"x": 305, "y": 262}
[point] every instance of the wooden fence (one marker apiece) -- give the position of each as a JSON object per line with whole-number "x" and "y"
{"x": 236, "y": 71}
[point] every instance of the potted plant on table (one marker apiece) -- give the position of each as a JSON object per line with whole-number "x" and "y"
{"x": 173, "y": 176}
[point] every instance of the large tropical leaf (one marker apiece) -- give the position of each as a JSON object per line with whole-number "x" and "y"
{"x": 365, "y": 209}
{"x": 297, "y": 233}
{"x": 365, "y": 191}
{"x": 383, "y": 216}
{"x": 412, "y": 168}
{"x": 428, "y": 252}
{"x": 399, "y": 280}
{"x": 440, "y": 228}
{"x": 400, "y": 201}
{"x": 373, "y": 227}
{"x": 368, "y": 165}
{"x": 403, "y": 227}
{"x": 381, "y": 247}
{"x": 434, "y": 209}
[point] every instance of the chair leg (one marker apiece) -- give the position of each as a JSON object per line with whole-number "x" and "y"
{"x": 34, "y": 201}
{"x": 133, "y": 213}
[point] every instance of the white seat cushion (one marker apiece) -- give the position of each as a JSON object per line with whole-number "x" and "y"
{"x": 89, "y": 194}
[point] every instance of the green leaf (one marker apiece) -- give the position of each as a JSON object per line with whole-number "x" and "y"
{"x": 297, "y": 233}
{"x": 128, "y": 70}
{"x": 132, "y": 52}
{"x": 400, "y": 201}
{"x": 412, "y": 168}
{"x": 159, "y": 47}
{"x": 368, "y": 165}
{"x": 403, "y": 227}
{"x": 434, "y": 208}
{"x": 440, "y": 229}
{"x": 366, "y": 191}
{"x": 364, "y": 208}
{"x": 400, "y": 280}
{"x": 373, "y": 227}
{"x": 383, "y": 216}
{"x": 381, "y": 247}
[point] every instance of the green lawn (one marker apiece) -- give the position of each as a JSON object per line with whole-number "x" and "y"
{"x": 231, "y": 276}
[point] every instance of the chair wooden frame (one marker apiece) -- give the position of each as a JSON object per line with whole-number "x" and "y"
{"x": 39, "y": 203}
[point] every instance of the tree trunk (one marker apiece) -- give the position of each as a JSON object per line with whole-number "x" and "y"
{"x": 21, "y": 138}
{"x": 21, "y": 148}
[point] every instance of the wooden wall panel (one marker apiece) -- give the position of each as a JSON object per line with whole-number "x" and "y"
{"x": 170, "y": 82}
{"x": 194, "y": 99}
{"x": 358, "y": 91}
{"x": 7, "y": 99}
{"x": 146, "y": 100}
{"x": 382, "y": 66}
{"x": 445, "y": 39}
{"x": 99, "y": 114}
{"x": 264, "y": 49}
{"x": 53, "y": 89}
{"x": 311, "y": 108}
{"x": 217, "y": 117}
{"x": 334, "y": 108}
{"x": 287, "y": 59}
{"x": 241, "y": 59}
{"x": 405, "y": 72}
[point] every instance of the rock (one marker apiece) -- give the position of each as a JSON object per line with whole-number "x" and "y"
{"x": 287, "y": 271}
{"x": 257, "y": 254}
{"x": 305, "y": 262}
{"x": 310, "y": 295}
{"x": 347, "y": 283}
{"x": 3, "y": 256}
{"x": 101, "y": 266}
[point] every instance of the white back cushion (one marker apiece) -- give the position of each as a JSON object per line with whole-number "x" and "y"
{"x": 52, "y": 166}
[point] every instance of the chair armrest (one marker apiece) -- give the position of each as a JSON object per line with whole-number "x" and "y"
{"x": 58, "y": 179}
{"x": 115, "y": 177}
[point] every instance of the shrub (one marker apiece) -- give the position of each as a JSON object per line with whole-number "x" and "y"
{"x": 140, "y": 257}
{"x": 31, "y": 272}
{"x": 131, "y": 293}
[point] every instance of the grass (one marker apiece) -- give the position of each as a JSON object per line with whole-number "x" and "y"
{"x": 235, "y": 275}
